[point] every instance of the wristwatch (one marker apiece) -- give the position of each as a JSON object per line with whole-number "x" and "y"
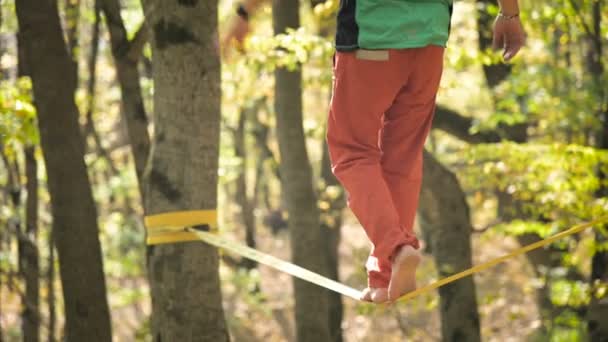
{"x": 241, "y": 11}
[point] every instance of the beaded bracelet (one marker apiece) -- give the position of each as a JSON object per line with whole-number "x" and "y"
{"x": 507, "y": 17}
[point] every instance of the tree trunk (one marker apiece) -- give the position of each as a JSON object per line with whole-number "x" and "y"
{"x": 73, "y": 209}
{"x": 245, "y": 202}
{"x": 307, "y": 243}
{"x": 444, "y": 216}
{"x": 72, "y": 18}
{"x": 332, "y": 223}
{"x": 89, "y": 126}
{"x": 13, "y": 192}
{"x": 31, "y": 269}
{"x": 597, "y": 315}
{"x": 184, "y": 279}
{"x": 51, "y": 289}
{"x": 330, "y": 229}
{"x": 126, "y": 57}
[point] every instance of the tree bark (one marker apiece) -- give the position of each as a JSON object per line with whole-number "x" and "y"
{"x": 31, "y": 268}
{"x": 50, "y": 279}
{"x": 182, "y": 174}
{"x": 245, "y": 202}
{"x": 331, "y": 229}
{"x": 444, "y": 216}
{"x": 72, "y": 18}
{"x": 597, "y": 315}
{"x": 126, "y": 57}
{"x": 331, "y": 225}
{"x": 311, "y": 301}
{"x": 73, "y": 210}
{"x": 89, "y": 126}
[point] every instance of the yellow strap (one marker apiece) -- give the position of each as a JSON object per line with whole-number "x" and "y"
{"x": 496, "y": 261}
{"x": 169, "y": 227}
{"x": 176, "y": 227}
{"x": 276, "y": 263}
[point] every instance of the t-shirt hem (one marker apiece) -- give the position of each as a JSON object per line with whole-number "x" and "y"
{"x": 404, "y": 45}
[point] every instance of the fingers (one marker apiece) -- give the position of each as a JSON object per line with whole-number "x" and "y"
{"x": 509, "y": 36}
{"x": 512, "y": 46}
{"x": 514, "y": 41}
{"x": 498, "y": 39}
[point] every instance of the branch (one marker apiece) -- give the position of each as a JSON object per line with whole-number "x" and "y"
{"x": 116, "y": 27}
{"x": 579, "y": 16}
{"x": 459, "y": 126}
{"x": 136, "y": 45}
{"x": 90, "y": 125}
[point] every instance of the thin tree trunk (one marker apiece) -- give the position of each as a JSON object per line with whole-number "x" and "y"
{"x": 72, "y": 21}
{"x": 597, "y": 315}
{"x": 50, "y": 283}
{"x": 444, "y": 216}
{"x": 2, "y": 234}
{"x": 331, "y": 229}
{"x": 332, "y": 224}
{"x": 73, "y": 209}
{"x": 184, "y": 279}
{"x": 91, "y": 95}
{"x": 1, "y": 287}
{"x": 31, "y": 268}
{"x": 241, "y": 197}
{"x": 28, "y": 241}
{"x": 311, "y": 301}
{"x": 126, "y": 57}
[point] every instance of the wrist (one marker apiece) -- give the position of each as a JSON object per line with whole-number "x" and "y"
{"x": 505, "y": 16}
{"x": 509, "y": 7}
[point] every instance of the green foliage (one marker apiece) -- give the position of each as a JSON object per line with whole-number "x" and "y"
{"x": 17, "y": 115}
{"x": 570, "y": 293}
{"x": 246, "y": 283}
{"x": 248, "y": 76}
{"x": 554, "y": 180}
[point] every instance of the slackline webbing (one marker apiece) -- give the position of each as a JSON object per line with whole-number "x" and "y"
{"x": 277, "y": 263}
{"x": 165, "y": 230}
{"x": 496, "y": 261}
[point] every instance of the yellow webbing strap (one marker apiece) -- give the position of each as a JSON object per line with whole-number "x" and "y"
{"x": 169, "y": 227}
{"x": 277, "y": 263}
{"x": 496, "y": 261}
{"x": 182, "y": 226}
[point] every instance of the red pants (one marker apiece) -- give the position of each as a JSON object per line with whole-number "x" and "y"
{"x": 381, "y": 112}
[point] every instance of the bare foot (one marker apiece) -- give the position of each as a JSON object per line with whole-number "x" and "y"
{"x": 403, "y": 277}
{"x": 374, "y": 295}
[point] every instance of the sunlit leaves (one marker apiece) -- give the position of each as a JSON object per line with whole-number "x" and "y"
{"x": 17, "y": 115}
{"x": 288, "y": 50}
{"x": 554, "y": 180}
{"x": 570, "y": 293}
{"x": 327, "y": 9}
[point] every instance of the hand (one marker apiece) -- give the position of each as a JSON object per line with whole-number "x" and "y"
{"x": 236, "y": 34}
{"x": 508, "y": 35}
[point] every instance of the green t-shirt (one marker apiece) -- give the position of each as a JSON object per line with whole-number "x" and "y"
{"x": 397, "y": 24}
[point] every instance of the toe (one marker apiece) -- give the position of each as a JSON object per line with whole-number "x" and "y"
{"x": 380, "y": 295}
{"x": 366, "y": 295}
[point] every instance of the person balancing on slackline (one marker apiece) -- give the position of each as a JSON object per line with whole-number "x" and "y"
{"x": 387, "y": 68}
